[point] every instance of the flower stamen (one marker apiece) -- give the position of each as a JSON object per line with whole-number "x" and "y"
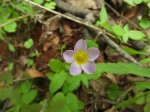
{"x": 81, "y": 57}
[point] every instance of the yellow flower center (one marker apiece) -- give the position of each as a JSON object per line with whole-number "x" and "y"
{"x": 81, "y": 57}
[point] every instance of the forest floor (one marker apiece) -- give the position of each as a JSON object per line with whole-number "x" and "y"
{"x": 54, "y": 31}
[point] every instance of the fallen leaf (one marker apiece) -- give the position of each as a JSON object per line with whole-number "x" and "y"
{"x": 56, "y": 40}
{"x": 53, "y": 24}
{"x": 34, "y": 73}
{"x": 2, "y": 84}
{"x": 132, "y": 12}
{"x": 46, "y": 56}
{"x": 67, "y": 30}
{"x": 46, "y": 46}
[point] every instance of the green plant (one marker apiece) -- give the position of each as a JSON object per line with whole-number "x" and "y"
{"x": 29, "y": 43}
{"x": 46, "y": 3}
{"x": 122, "y": 33}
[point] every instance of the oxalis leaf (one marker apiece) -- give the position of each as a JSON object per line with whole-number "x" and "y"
{"x": 129, "y": 102}
{"x": 136, "y": 35}
{"x": 57, "y": 81}
{"x": 72, "y": 83}
{"x": 56, "y": 65}
{"x": 29, "y": 43}
{"x": 10, "y": 28}
{"x": 124, "y": 68}
{"x": 103, "y": 15}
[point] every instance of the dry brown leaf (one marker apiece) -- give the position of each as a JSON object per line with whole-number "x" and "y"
{"x": 111, "y": 77}
{"x": 2, "y": 84}
{"x": 132, "y": 12}
{"x": 56, "y": 40}
{"x": 34, "y": 73}
{"x": 67, "y": 30}
{"x": 90, "y": 4}
{"x": 47, "y": 45}
{"x": 54, "y": 24}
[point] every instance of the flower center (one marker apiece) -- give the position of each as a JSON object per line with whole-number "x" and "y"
{"x": 81, "y": 57}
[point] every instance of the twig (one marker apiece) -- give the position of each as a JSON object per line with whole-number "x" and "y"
{"x": 98, "y": 30}
{"x": 15, "y": 19}
{"x": 67, "y": 17}
{"x": 119, "y": 50}
{"x": 138, "y": 79}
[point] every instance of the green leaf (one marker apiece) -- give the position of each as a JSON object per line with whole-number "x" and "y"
{"x": 29, "y": 62}
{"x": 80, "y": 105}
{"x": 144, "y": 23}
{"x": 11, "y": 47}
{"x": 72, "y": 102}
{"x": 124, "y": 68}
{"x": 38, "y": 1}
{"x": 86, "y": 77}
{"x": 50, "y": 75}
{"x": 136, "y": 35}
{"x": 147, "y": 107}
{"x": 56, "y": 65}
{"x": 11, "y": 93}
{"x": 57, "y": 81}
{"x": 95, "y": 75}
{"x": 125, "y": 33}
{"x": 4, "y": 93}
{"x": 148, "y": 98}
{"x": 28, "y": 97}
{"x": 11, "y": 27}
{"x": 141, "y": 86}
{"x": 14, "y": 109}
{"x": 137, "y": 1}
{"x": 130, "y": 2}
{"x": 113, "y": 91}
{"x": 15, "y": 96}
{"x": 91, "y": 43}
{"x": 71, "y": 84}
{"x": 117, "y": 30}
{"x": 146, "y": 1}
{"x": 85, "y": 81}
{"x": 25, "y": 86}
{"x": 31, "y": 108}
{"x": 125, "y": 37}
{"x": 103, "y": 15}
{"x": 57, "y": 104}
{"x": 6, "y": 77}
{"x": 128, "y": 102}
{"x": 29, "y": 43}
{"x": 133, "y": 51}
{"x": 141, "y": 100}
{"x": 126, "y": 28}
{"x": 50, "y": 5}
{"x": 145, "y": 60}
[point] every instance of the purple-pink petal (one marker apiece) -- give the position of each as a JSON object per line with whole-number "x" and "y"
{"x": 81, "y": 44}
{"x": 93, "y": 53}
{"x": 68, "y": 56}
{"x": 75, "y": 69}
{"x": 89, "y": 67}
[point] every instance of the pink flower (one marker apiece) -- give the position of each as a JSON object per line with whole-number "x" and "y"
{"x": 81, "y": 58}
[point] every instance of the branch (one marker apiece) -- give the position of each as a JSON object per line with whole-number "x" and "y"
{"x": 16, "y": 19}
